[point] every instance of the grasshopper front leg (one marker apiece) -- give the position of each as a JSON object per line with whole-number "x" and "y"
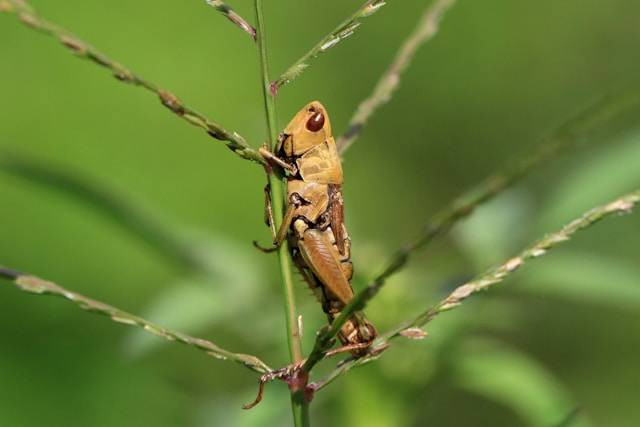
{"x": 280, "y": 234}
{"x": 268, "y": 210}
{"x": 294, "y": 202}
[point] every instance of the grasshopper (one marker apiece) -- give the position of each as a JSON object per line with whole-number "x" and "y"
{"x": 313, "y": 222}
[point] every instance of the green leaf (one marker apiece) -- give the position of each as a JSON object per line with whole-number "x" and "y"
{"x": 612, "y": 170}
{"x": 196, "y": 303}
{"x": 587, "y": 277}
{"x": 223, "y": 409}
{"x": 494, "y": 231}
{"x": 502, "y": 374}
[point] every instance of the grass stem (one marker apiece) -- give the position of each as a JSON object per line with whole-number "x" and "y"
{"x": 299, "y": 404}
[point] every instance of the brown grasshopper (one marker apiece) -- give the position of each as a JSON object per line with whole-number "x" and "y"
{"x": 314, "y": 218}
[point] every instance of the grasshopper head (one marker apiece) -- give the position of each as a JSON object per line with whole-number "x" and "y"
{"x": 310, "y": 127}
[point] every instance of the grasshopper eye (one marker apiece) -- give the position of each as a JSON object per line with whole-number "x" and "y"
{"x": 315, "y": 122}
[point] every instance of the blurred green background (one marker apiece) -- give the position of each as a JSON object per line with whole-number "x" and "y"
{"x": 560, "y": 341}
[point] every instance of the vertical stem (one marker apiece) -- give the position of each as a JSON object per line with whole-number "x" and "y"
{"x": 299, "y": 404}
{"x": 277, "y": 199}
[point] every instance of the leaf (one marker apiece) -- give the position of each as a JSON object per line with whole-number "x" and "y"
{"x": 223, "y": 409}
{"x": 188, "y": 306}
{"x": 494, "y": 231}
{"x": 502, "y": 374}
{"x": 227, "y": 259}
{"x": 203, "y": 301}
{"x": 612, "y": 170}
{"x": 586, "y": 277}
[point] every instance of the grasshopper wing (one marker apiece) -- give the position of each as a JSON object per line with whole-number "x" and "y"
{"x": 322, "y": 259}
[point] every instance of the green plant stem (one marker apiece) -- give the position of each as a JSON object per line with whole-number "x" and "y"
{"x": 342, "y": 31}
{"x": 277, "y": 194}
{"x": 82, "y": 49}
{"x": 495, "y": 275}
{"x": 426, "y": 29}
{"x": 38, "y": 286}
{"x": 299, "y": 404}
